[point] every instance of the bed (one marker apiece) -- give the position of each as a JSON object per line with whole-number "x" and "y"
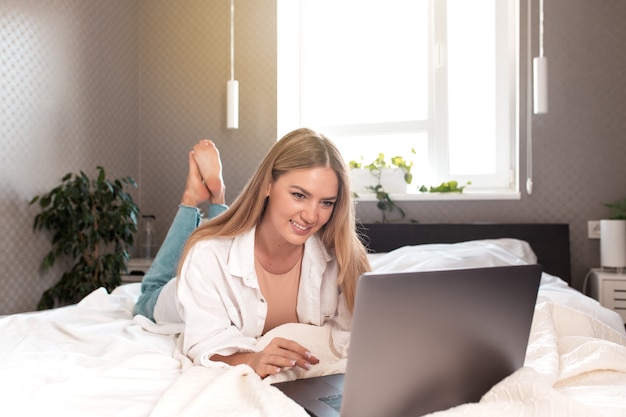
{"x": 95, "y": 359}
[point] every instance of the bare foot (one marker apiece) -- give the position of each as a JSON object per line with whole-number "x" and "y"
{"x": 207, "y": 158}
{"x": 196, "y": 191}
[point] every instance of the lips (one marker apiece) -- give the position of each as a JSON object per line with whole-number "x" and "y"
{"x": 299, "y": 228}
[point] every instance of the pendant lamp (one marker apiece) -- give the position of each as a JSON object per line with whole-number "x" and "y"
{"x": 232, "y": 85}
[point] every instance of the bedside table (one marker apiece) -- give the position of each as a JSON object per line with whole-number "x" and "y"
{"x": 136, "y": 269}
{"x": 609, "y": 288}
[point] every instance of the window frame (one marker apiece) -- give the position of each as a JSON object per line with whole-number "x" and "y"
{"x": 289, "y": 100}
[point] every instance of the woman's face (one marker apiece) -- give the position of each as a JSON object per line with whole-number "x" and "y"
{"x": 300, "y": 203}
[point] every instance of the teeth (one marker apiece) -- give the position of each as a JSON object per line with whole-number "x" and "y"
{"x": 298, "y": 226}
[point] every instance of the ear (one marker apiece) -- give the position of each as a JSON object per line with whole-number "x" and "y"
{"x": 268, "y": 189}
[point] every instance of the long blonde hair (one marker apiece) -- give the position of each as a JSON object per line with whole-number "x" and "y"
{"x": 299, "y": 149}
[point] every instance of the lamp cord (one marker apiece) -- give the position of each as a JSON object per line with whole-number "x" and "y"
{"x": 529, "y": 92}
{"x": 232, "y": 39}
{"x": 540, "y": 27}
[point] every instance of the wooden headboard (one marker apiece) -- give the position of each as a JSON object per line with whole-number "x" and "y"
{"x": 549, "y": 241}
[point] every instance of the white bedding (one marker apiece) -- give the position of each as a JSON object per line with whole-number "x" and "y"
{"x": 95, "y": 359}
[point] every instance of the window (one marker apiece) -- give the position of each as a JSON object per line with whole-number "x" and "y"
{"x": 436, "y": 76}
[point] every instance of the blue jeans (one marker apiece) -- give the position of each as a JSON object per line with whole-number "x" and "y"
{"x": 165, "y": 263}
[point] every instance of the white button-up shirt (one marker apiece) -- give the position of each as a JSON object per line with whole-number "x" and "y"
{"x": 219, "y": 299}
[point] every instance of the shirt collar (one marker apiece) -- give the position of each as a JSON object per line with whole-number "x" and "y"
{"x": 241, "y": 264}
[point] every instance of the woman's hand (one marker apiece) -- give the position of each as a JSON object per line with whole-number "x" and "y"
{"x": 279, "y": 354}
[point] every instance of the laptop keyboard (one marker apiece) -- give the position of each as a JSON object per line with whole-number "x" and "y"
{"x": 333, "y": 401}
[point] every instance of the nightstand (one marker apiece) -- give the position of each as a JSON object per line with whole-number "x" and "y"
{"x": 609, "y": 288}
{"x": 136, "y": 269}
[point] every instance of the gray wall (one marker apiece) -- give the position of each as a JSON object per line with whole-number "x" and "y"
{"x": 68, "y": 102}
{"x": 132, "y": 85}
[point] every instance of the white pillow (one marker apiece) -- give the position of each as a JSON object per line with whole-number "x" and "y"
{"x": 470, "y": 254}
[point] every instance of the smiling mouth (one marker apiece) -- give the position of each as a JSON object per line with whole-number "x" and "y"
{"x": 299, "y": 226}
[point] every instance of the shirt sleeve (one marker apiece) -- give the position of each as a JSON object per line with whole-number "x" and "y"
{"x": 340, "y": 332}
{"x": 208, "y": 302}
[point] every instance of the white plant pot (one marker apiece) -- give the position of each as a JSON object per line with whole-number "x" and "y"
{"x": 392, "y": 180}
{"x": 613, "y": 243}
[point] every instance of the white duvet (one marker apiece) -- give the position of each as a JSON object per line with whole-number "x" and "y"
{"x": 95, "y": 359}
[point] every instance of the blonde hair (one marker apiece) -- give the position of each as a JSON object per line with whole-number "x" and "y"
{"x": 299, "y": 149}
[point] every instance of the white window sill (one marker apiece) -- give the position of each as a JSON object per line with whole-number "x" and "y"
{"x": 464, "y": 196}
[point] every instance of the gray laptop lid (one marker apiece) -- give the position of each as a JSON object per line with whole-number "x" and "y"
{"x": 427, "y": 341}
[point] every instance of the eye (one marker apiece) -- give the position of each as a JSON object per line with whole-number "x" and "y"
{"x": 298, "y": 196}
{"x": 328, "y": 203}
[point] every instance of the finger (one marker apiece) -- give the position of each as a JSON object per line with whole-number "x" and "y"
{"x": 311, "y": 358}
{"x": 266, "y": 370}
{"x": 278, "y": 353}
{"x": 293, "y": 346}
{"x": 294, "y": 351}
{"x": 275, "y": 357}
{"x": 304, "y": 361}
{"x": 280, "y": 360}
{"x": 264, "y": 364}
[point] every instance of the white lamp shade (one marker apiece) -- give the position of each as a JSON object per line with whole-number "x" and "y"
{"x": 613, "y": 243}
{"x": 540, "y": 85}
{"x": 232, "y": 104}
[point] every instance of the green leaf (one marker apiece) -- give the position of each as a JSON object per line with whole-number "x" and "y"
{"x": 618, "y": 209}
{"x": 91, "y": 222}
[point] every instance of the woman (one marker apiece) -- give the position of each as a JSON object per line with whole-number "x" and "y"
{"x": 285, "y": 251}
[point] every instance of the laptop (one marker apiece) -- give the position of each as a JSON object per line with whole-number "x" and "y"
{"x": 427, "y": 341}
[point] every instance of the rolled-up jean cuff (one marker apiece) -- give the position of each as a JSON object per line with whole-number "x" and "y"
{"x": 216, "y": 209}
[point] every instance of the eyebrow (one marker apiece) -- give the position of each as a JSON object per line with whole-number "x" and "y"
{"x": 305, "y": 192}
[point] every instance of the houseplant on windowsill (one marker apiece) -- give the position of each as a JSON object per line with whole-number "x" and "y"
{"x": 383, "y": 178}
{"x": 393, "y": 175}
{"x": 388, "y": 177}
{"x": 445, "y": 187}
{"x": 92, "y": 221}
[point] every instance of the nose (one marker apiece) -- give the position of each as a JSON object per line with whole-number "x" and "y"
{"x": 309, "y": 213}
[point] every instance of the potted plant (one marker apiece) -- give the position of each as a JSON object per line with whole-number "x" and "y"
{"x": 445, "y": 187}
{"x": 618, "y": 209}
{"x": 393, "y": 175}
{"x": 388, "y": 177}
{"x": 92, "y": 221}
